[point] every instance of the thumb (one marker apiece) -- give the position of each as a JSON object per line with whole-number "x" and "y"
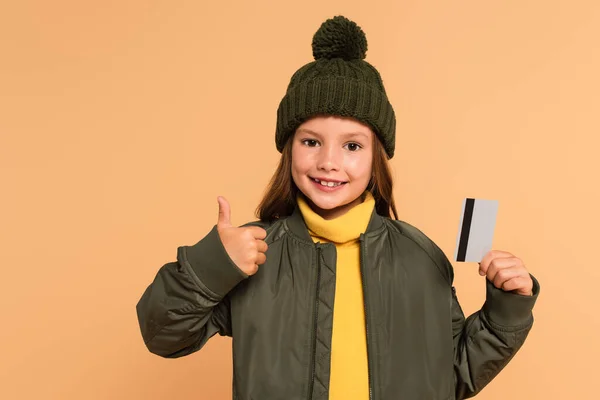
{"x": 224, "y": 220}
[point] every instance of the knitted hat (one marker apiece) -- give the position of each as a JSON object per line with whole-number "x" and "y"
{"x": 339, "y": 82}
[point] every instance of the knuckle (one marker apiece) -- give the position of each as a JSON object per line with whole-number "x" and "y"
{"x": 497, "y": 281}
{"x": 519, "y": 262}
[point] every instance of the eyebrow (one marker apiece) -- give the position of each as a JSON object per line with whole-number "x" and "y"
{"x": 346, "y": 134}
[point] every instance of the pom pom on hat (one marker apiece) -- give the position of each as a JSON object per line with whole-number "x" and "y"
{"x": 339, "y": 37}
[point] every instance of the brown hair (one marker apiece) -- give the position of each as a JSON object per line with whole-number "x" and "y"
{"x": 279, "y": 199}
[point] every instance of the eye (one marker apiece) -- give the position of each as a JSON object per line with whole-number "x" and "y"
{"x": 354, "y": 146}
{"x": 311, "y": 142}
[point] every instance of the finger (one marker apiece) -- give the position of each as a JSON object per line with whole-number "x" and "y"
{"x": 506, "y": 274}
{"x": 498, "y": 264}
{"x": 253, "y": 270}
{"x": 224, "y": 220}
{"x": 257, "y": 232}
{"x": 484, "y": 264}
{"x": 261, "y": 258}
{"x": 262, "y": 246}
{"x": 519, "y": 283}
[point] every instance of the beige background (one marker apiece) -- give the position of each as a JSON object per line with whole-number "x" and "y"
{"x": 121, "y": 121}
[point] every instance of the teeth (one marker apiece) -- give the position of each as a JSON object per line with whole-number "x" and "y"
{"x": 329, "y": 184}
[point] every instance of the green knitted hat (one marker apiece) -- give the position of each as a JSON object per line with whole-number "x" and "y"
{"x": 339, "y": 82}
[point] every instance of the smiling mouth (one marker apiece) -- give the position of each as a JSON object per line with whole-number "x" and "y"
{"x": 328, "y": 183}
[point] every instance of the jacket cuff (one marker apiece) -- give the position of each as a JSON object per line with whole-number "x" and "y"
{"x": 212, "y": 265}
{"x": 510, "y": 309}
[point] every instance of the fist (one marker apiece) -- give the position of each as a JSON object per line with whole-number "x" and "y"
{"x": 245, "y": 246}
{"x": 506, "y": 272}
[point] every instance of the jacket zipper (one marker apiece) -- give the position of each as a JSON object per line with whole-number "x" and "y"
{"x": 314, "y": 336}
{"x": 314, "y": 333}
{"x": 362, "y": 273}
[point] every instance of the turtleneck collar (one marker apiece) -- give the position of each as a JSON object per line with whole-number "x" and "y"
{"x": 343, "y": 229}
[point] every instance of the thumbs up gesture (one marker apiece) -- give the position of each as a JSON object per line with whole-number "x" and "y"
{"x": 245, "y": 246}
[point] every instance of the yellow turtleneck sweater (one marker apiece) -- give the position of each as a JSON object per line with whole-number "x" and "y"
{"x": 349, "y": 366}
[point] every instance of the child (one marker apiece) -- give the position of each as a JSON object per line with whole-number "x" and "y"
{"x": 328, "y": 296}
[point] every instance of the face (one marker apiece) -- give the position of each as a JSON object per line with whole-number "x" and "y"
{"x": 334, "y": 151}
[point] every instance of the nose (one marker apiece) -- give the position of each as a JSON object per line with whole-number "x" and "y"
{"x": 329, "y": 158}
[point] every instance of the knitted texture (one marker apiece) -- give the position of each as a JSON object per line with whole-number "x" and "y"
{"x": 339, "y": 82}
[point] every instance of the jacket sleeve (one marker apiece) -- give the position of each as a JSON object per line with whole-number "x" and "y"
{"x": 488, "y": 339}
{"x": 188, "y": 301}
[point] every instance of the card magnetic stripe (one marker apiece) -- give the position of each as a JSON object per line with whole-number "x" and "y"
{"x": 466, "y": 229}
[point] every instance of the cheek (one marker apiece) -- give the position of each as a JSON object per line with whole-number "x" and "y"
{"x": 300, "y": 161}
{"x": 359, "y": 168}
{"x": 297, "y": 173}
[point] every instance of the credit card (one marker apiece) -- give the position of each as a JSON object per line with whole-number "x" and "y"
{"x": 476, "y": 229}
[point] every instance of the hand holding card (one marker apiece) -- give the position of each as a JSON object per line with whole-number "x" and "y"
{"x": 474, "y": 243}
{"x": 506, "y": 272}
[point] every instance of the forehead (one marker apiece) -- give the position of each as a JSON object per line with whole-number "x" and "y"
{"x": 330, "y": 134}
{"x": 335, "y": 127}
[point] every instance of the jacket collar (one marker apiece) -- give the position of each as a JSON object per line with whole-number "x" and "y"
{"x": 296, "y": 225}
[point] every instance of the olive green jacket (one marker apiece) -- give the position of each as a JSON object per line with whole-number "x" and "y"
{"x": 420, "y": 346}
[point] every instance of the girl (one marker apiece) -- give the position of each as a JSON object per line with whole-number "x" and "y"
{"x": 327, "y": 296}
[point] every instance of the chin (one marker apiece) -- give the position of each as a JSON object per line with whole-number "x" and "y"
{"x": 328, "y": 205}
{"x": 325, "y": 203}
